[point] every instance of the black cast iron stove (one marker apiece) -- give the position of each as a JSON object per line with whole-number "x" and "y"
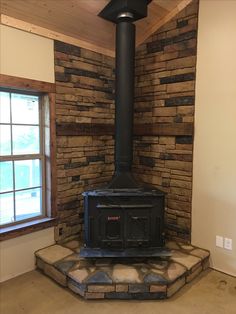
{"x": 126, "y": 218}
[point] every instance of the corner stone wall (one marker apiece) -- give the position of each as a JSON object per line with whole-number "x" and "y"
{"x": 165, "y": 94}
{"x": 84, "y": 96}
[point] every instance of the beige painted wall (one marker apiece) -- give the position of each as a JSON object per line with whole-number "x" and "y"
{"x": 30, "y": 56}
{"x": 17, "y": 255}
{"x": 214, "y": 167}
{"x": 26, "y": 55}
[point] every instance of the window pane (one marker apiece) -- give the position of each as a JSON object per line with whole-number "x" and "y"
{"x": 25, "y": 139}
{"x": 28, "y": 203}
{"x": 4, "y": 107}
{"x": 27, "y": 174}
{"x": 6, "y": 176}
{"x": 6, "y": 208}
{"x": 25, "y": 109}
{"x": 5, "y": 140}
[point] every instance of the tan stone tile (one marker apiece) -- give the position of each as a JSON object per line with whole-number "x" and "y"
{"x": 157, "y": 288}
{"x": 175, "y": 271}
{"x": 78, "y": 275}
{"x": 194, "y": 274}
{"x": 122, "y": 288}
{"x": 94, "y": 295}
{"x": 200, "y": 253}
{"x": 53, "y": 253}
{"x": 186, "y": 260}
{"x": 123, "y": 273}
{"x": 101, "y": 288}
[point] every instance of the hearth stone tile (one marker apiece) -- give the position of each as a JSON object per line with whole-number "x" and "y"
{"x": 94, "y": 295}
{"x": 125, "y": 274}
{"x": 176, "y": 286}
{"x": 101, "y": 288}
{"x": 140, "y": 278}
{"x": 158, "y": 288}
{"x": 79, "y": 275}
{"x": 73, "y": 245}
{"x": 99, "y": 277}
{"x": 52, "y": 272}
{"x": 77, "y": 288}
{"x": 134, "y": 288}
{"x": 155, "y": 278}
{"x": 200, "y": 253}
{"x": 64, "y": 266}
{"x": 122, "y": 288}
{"x": 184, "y": 259}
{"x": 53, "y": 253}
{"x": 158, "y": 264}
{"x": 174, "y": 271}
{"x": 186, "y": 247}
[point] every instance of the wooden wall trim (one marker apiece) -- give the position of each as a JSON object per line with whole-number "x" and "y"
{"x": 163, "y": 21}
{"x": 22, "y": 83}
{"x": 163, "y": 129}
{"x": 44, "y": 32}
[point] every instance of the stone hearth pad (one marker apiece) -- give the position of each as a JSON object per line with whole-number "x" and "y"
{"x": 122, "y": 278}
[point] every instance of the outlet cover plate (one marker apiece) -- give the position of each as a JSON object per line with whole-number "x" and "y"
{"x": 219, "y": 241}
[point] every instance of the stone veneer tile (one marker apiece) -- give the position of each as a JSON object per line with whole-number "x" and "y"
{"x": 52, "y": 272}
{"x": 94, "y": 295}
{"x": 39, "y": 263}
{"x": 101, "y": 288}
{"x": 172, "y": 289}
{"x": 78, "y": 289}
{"x": 53, "y": 253}
{"x": 194, "y": 274}
{"x": 158, "y": 288}
{"x": 200, "y": 253}
{"x": 186, "y": 247}
{"x": 172, "y": 245}
{"x": 78, "y": 275}
{"x": 125, "y": 274}
{"x": 134, "y": 288}
{"x": 186, "y": 260}
{"x": 122, "y": 288}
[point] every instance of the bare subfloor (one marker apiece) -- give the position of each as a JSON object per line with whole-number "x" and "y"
{"x": 33, "y": 293}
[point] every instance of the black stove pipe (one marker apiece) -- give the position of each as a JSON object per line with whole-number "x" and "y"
{"x": 124, "y": 99}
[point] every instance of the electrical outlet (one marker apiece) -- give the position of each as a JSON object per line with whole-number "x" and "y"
{"x": 228, "y": 244}
{"x": 219, "y": 241}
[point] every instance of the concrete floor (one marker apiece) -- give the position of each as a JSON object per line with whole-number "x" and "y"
{"x": 33, "y": 293}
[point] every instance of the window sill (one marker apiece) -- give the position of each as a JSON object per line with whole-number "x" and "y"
{"x": 26, "y": 228}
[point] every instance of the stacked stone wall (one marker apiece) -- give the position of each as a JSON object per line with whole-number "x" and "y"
{"x": 84, "y": 96}
{"x": 165, "y": 94}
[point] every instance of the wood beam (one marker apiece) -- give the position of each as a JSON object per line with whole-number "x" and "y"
{"x": 161, "y": 129}
{"x": 22, "y": 83}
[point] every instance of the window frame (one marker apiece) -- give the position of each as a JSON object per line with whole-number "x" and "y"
{"x": 40, "y": 156}
{"x": 46, "y": 91}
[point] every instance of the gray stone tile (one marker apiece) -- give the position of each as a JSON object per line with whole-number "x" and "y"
{"x": 134, "y": 288}
{"x": 99, "y": 277}
{"x": 155, "y": 278}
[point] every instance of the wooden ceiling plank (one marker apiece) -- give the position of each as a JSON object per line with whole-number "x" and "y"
{"x": 35, "y": 29}
{"x": 161, "y": 22}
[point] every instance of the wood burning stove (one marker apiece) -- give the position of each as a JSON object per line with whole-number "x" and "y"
{"x": 125, "y": 215}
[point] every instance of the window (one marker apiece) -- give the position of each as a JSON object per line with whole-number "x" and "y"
{"x": 22, "y": 161}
